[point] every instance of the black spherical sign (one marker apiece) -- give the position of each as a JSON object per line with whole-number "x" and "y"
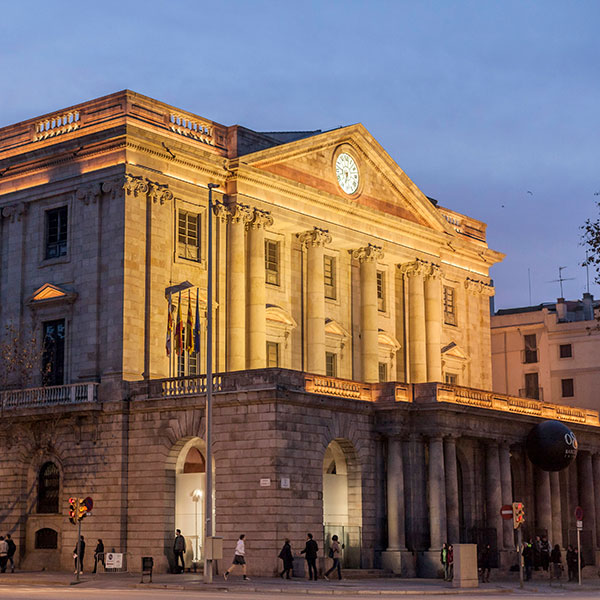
{"x": 551, "y": 446}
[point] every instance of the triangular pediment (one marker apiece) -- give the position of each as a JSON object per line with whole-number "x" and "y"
{"x": 382, "y": 184}
{"x": 51, "y": 293}
{"x": 452, "y": 350}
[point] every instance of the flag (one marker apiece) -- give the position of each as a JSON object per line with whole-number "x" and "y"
{"x": 189, "y": 327}
{"x": 169, "y": 327}
{"x": 179, "y": 330}
{"x": 197, "y": 327}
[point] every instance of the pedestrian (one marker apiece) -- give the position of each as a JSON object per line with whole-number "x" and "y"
{"x": 311, "y": 548}
{"x": 485, "y": 559}
{"x": 12, "y": 548}
{"x": 545, "y": 553}
{"x": 79, "y": 554}
{"x": 572, "y": 560}
{"x": 537, "y": 553}
{"x": 528, "y": 559}
{"x": 288, "y": 559}
{"x": 239, "y": 558}
{"x": 3, "y": 554}
{"x": 179, "y": 551}
{"x": 450, "y": 562}
{"x": 99, "y": 555}
{"x": 444, "y": 560}
{"x": 555, "y": 559}
{"x": 335, "y": 553}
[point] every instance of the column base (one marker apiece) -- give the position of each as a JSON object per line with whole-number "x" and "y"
{"x": 399, "y": 562}
{"x": 429, "y": 565}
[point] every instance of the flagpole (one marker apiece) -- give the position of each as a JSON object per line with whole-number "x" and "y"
{"x": 208, "y": 496}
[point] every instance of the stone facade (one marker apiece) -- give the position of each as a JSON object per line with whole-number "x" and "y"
{"x": 351, "y": 338}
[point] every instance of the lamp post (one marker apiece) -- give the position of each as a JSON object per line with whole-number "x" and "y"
{"x": 208, "y": 501}
{"x": 196, "y": 495}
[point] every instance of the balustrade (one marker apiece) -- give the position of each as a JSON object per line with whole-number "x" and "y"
{"x": 41, "y": 397}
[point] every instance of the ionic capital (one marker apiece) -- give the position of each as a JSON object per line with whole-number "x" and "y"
{"x": 89, "y": 194}
{"x": 369, "y": 253}
{"x": 15, "y": 211}
{"x": 478, "y": 287}
{"x": 416, "y": 268}
{"x": 134, "y": 185}
{"x": 158, "y": 193}
{"x": 259, "y": 219}
{"x": 316, "y": 237}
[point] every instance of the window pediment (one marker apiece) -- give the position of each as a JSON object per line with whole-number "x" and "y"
{"x": 50, "y": 293}
{"x": 279, "y": 317}
{"x": 453, "y": 351}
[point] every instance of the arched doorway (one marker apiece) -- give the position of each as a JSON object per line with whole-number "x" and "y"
{"x": 190, "y": 485}
{"x": 342, "y": 500}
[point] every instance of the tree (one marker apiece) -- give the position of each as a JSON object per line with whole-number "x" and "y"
{"x": 20, "y": 358}
{"x": 591, "y": 240}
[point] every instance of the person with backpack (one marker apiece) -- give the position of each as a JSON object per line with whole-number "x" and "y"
{"x": 12, "y": 548}
{"x": 335, "y": 553}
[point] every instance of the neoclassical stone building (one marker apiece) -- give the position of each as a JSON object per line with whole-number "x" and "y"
{"x": 351, "y": 342}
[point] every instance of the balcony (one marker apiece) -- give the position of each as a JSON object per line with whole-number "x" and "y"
{"x": 42, "y": 397}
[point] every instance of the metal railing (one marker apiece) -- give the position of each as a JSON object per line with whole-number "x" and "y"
{"x": 75, "y": 393}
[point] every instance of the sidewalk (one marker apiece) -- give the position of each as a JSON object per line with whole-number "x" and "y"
{"x": 384, "y": 586}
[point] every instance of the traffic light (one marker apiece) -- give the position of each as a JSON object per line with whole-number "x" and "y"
{"x": 518, "y": 514}
{"x": 73, "y": 510}
{"x": 81, "y": 509}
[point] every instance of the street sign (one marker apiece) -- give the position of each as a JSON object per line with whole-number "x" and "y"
{"x": 114, "y": 560}
{"x": 506, "y": 512}
{"x": 579, "y": 513}
{"x": 579, "y": 524}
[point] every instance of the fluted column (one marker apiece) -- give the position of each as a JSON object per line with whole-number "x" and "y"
{"x": 315, "y": 298}
{"x": 437, "y": 494}
{"x": 433, "y": 322}
{"x": 451, "y": 472}
{"x": 368, "y": 257}
{"x": 586, "y": 493}
{"x": 395, "y": 495}
{"x": 238, "y": 215}
{"x": 257, "y": 326}
{"x": 414, "y": 273}
{"x": 543, "y": 504}
{"x": 508, "y": 535}
{"x": 493, "y": 488}
{"x": 555, "y": 500}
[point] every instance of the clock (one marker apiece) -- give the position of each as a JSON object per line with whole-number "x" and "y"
{"x": 347, "y": 173}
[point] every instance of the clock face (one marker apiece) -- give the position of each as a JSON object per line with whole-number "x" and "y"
{"x": 347, "y": 173}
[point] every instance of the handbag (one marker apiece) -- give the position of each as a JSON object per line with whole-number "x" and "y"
{"x": 330, "y": 552}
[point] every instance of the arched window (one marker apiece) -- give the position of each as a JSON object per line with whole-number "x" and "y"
{"x": 48, "y": 488}
{"x": 194, "y": 461}
{"x": 46, "y": 539}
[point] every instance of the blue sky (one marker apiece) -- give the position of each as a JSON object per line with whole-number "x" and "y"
{"x": 478, "y": 102}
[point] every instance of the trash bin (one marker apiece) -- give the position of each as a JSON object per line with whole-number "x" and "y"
{"x": 147, "y": 565}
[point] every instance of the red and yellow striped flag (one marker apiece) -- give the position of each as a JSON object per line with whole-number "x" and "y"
{"x": 179, "y": 330}
{"x": 189, "y": 328}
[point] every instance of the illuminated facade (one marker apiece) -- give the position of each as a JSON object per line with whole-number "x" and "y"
{"x": 352, "y": 338}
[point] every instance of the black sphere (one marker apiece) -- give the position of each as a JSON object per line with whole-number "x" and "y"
{"x": 551, "y": 446}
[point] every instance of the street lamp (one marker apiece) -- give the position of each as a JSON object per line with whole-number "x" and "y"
{"x": 196, "y": 496}
{"x": 208, "y": 499}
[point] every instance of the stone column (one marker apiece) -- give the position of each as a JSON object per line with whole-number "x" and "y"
{"x": 437, "y": 494}
{"x": 368, "y": 257}
{"x": 315, "y": 298}
{"x": 508, "y": 534}
{"x": 543, "y": 504}
{"x": 433, "y": 322}
{"x": 451, "y": 470}
{"x": 586, "y": 493}
{"x": 238, "y": 216}
{"x": 416, "y": 320}
{"x": 555, "y": 500}
{"x": 596, "y": 471}
{"x": 493, "y": 489}
{"x": 416, "y": 491}
{"x": 395, "y": 496}
{"x": 257, "y": 325}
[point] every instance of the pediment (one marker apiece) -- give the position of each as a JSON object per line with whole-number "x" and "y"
{"x": 334, "y": 328}
{"x": 383, "y": 185}
{"x": 48, "y": 293}
{"x": 452, "y": 350}
{"x": 280, "y": 317}
{"x": 387, "y": 340}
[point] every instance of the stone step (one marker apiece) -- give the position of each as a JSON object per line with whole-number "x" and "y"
{"x": 364, "y": 574}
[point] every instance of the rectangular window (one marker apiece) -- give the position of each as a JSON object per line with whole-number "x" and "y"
{"x": 567, "y": 388}
{"x": 383, "y": 372}
{"x": 566, "y": 351}
{"x": 449, "y": 306}
{"x": 53, "y": 353}
{"x": 272, "y": 354}
{"x": 190, "y": 360}
{"x": 381, "y": 291}
{"x": 272, "y": 262}
{"x": 451, "y": 378}
{"x": 188, "y": 235}
{"x": 530, "y": 353}
{"x": 330, "y": 364}
{"x": 532, "y": 389}
{"x": 329, "y": 273}
{"x": 56, "y": 232}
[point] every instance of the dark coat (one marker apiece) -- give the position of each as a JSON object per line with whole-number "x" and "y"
{"x": 286, "y": 556}
{"x": 82, "y": 550}
{"x": 310, "y": 549}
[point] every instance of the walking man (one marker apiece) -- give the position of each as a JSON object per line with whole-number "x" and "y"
{"x": 78, "y": 554}
{"x": 3, "y": 554}
{"x": 335, "y": 552}
{"x": 239, "y": 558}
{"x": 12, "y": 548}
{"x": 310, "y": 552}
{"x": 179, "y": 551}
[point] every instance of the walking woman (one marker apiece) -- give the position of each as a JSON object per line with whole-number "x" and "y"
{"x": 556, "y": 563}
{"x": 239, "y": 558}
{"x": 288, "y": 560}
{"x": 335, "y": 553}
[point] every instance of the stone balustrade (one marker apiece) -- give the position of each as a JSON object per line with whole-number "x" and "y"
{"x": 188, "y": 386}
{"x": 57, "y": 124}
{"x": 42, "y": 397}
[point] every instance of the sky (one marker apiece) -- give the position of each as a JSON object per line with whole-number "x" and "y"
{"x": 490, "y": 107}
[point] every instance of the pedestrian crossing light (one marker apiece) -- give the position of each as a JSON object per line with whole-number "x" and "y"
{"x": 518, "y": 514}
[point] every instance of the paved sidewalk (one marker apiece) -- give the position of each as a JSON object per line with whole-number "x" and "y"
{"x": 373, "y": 586}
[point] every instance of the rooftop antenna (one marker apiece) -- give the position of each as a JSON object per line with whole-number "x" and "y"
{"x": 561, "y": 279}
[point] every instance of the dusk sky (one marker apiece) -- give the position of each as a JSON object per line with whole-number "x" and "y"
{"x": 492, "y": 108}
